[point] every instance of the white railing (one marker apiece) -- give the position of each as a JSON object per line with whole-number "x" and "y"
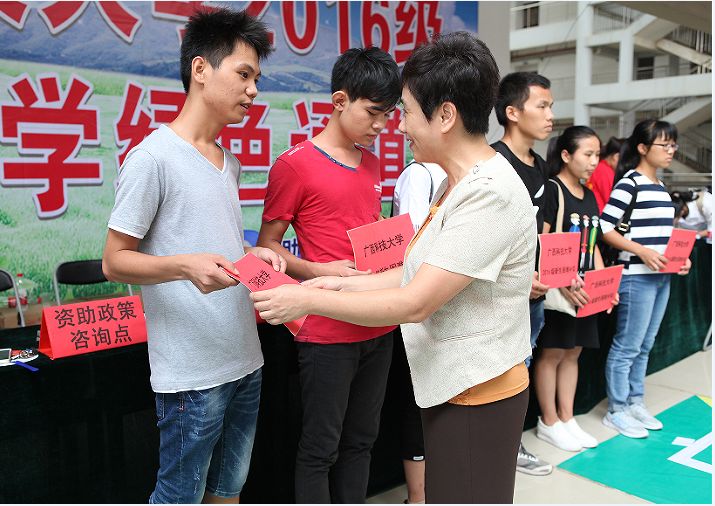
{"x": 529, "y": 14}
{"x": 609, "y": 16}
{"x": 694, "y": 39}
{"x": 563, "y": 88}
{"x": 609, "y": 77}
{"x": 695, "y": 154}
{"x": 600, "y": 123}
{"x": 684, "y": 68}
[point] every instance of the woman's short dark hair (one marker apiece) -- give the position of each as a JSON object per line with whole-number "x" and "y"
{"x": 569, "y": 140}
{"x": 646, "y": 132}
{"x": 213, "y": 35}
{"x": 612, "y": 147}
{"x": 368, "y": 73}
{"x": 454, "y": 67}
{"x": 514, "y": 91}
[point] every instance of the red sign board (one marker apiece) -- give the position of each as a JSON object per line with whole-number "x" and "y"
{"x": 85, "y": 327}
{"x": 558, "y": 260}
{"x": 680, "y": 245}
{"x": 601, "y": 286}
{"x": 257, "y": 275}
{"x": 381, "y": 246}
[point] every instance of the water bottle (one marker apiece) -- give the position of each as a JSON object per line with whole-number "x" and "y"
{"x": 24, "y": 288}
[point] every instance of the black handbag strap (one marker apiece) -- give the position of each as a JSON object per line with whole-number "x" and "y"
{"x": 624, "y": 224}
{"x": 560, "y": 212}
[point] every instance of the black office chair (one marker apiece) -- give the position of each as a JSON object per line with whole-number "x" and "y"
{"x": 6, "y": 283}
{"x": 79, "y": 272}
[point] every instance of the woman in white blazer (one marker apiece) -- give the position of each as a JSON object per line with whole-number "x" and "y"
{"x": 462, "y": 296}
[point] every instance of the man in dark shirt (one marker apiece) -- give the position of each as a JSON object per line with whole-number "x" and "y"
{"x": 523, "y": 108}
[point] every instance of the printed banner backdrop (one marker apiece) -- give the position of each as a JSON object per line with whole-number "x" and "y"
{"x": 81, "y": 83}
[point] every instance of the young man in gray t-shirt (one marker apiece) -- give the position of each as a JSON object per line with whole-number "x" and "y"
{"x": 176, "y": 221}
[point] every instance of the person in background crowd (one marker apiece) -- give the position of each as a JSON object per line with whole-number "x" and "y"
{"x": 176, "y": 222}
{"x": 414, "y": 191}
{"x": 572, "y": 157}
{"x": 696, "y": 213}
{"x": 601, "y": 181}
{"x": 643, "y": 291}
{"x": 325, "y": 187}
{"x": 463, "y": 291}
{"x": 523, "y": 108}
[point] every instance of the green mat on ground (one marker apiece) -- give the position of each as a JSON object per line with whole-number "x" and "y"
{"x": 673, "y": 465}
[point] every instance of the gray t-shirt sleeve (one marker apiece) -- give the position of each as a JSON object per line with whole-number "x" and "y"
{"x": 475, "y": 240}
{"x": 138, "y": 195}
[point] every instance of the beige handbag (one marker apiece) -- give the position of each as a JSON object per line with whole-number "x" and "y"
{"x": 555, "y": 301}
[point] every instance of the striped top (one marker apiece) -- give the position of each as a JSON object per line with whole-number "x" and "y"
{"x": 651, "y": 220}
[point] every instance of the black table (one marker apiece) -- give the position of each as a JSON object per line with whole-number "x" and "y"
{"x": 83, "y": 429}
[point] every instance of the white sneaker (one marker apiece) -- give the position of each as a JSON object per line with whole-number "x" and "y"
{"x": 583, "y": 437}
{"x": 625, "y": 424}
{"x": 558, "y": 436}
{"x": 640, "y": 413}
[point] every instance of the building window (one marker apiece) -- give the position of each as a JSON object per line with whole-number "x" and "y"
{"x": 530, "y": 15}
{"x": 645, "y": 67}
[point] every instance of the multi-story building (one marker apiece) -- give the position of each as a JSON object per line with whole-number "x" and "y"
{"x": 612, "y": 64}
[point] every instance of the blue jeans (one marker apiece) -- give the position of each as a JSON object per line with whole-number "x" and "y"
{"x": 206, "y": 438}
{"x": 644, "y": 298}
{"x": 536, "y": 318}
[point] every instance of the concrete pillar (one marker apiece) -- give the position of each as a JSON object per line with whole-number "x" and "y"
{"x": 584, "y": 57}
{"x": 625, "y": 59}
{"x": 626, "y": 123}
{"x": 492, "y": 18}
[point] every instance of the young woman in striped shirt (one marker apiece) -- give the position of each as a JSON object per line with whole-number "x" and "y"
{"x": 644, "y": 290}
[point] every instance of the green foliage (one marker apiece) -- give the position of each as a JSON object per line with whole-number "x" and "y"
{"x": 6, "y": 219}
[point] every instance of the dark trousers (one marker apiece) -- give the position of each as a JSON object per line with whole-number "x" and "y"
{"x": 472, "y": 451}
{"x": 342, "y": 389}
{"x": 412, "y": 446}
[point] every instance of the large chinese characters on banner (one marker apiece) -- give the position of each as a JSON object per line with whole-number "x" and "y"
{"x": 82, "y": 83}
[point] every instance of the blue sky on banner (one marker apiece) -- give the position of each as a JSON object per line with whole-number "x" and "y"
{"x": 91, "y": 36}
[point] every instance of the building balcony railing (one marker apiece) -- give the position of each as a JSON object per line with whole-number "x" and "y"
{"x": 563, "y": 88}
{"x": 531, "y": 14}
{"x": 683, "y": 68}
{"x": 695, "y": 155}
{"x": 607, "y": 15}
{"x": 696, "y": 40}
{"x": 685, "y": 180}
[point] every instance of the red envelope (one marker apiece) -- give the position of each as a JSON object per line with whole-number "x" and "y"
{"x": 601, "y": 287}
{"x": 558, "y": 258}
{"x": 680, "y": 245}
{"x": 257, "y": 275}
{"x": 381, "y": 246}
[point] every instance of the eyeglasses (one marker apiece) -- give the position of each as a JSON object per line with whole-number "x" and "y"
{"x": 667, "y": 147}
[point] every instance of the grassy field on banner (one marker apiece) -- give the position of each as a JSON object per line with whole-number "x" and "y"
{"x": 34, "y": 246}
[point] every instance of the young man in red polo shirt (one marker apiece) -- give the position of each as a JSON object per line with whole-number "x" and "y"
{"x": 324, "y": 187}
